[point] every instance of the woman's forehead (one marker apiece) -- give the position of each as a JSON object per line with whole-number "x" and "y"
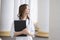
{"x": 28, "y": 7}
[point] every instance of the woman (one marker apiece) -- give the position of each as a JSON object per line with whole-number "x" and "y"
{"x": 30, "y": 30}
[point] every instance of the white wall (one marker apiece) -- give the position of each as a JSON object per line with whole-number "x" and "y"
{"x": 34, "y": 10}
{"x": 54, "y": 23}
{"x": 7, "y": 14}
{"x": 0, "y": 13}
{"x": 16, "y": 9}
{"x": 43, "y": 15}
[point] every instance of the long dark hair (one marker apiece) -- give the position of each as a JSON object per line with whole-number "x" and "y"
{"x": 21, "y": 10}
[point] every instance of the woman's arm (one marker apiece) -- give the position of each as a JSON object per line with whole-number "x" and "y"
{"x": 13, "y": 33}
{"x": 17, "y": 33}
{"x": 31, "y": 29}
{"x": 25, "y": 31}
{"x": 32, "y": 32}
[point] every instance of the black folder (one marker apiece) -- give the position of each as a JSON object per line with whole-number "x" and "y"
{"x": 19, "y": 25}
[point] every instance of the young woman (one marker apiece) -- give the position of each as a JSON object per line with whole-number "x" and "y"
{"x": 30, "y": 30}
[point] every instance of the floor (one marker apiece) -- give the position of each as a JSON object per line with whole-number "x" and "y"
{"x": 40, "y": 38}
{"x": 36, "y": 38}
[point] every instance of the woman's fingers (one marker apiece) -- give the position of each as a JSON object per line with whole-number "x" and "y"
{"x": 25, "y": 31}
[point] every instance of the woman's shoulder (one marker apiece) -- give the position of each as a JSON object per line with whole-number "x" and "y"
{"x": 29, "y": 21}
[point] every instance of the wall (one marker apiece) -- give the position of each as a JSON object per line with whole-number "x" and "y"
{"x": 34, "y": 10}
{"x": 43, "y": 15}
{"x": 54, "y": 23}
{"x": 0, "y": 13}
{"x": 6, "y": 17}
{"x": 7, "y": 12}
{"x": 16, "y": 8}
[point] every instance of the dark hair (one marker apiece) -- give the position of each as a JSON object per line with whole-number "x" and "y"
{"x": 21, "y": 10}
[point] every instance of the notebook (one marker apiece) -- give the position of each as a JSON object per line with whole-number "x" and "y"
{"x": 19, "y": 25}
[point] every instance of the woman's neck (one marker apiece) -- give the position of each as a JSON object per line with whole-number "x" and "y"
{"x": 23, "y": 18}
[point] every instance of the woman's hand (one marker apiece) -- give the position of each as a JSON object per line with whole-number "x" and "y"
{"x": 25, "y": 31}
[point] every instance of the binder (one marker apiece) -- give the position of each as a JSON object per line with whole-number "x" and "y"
{"x": 19, "y": 25}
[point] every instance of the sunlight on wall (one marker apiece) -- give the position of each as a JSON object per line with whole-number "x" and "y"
{"x": 34, "y": 10}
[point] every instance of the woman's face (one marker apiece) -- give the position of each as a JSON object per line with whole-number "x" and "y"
{"x": 27, "y": 10}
